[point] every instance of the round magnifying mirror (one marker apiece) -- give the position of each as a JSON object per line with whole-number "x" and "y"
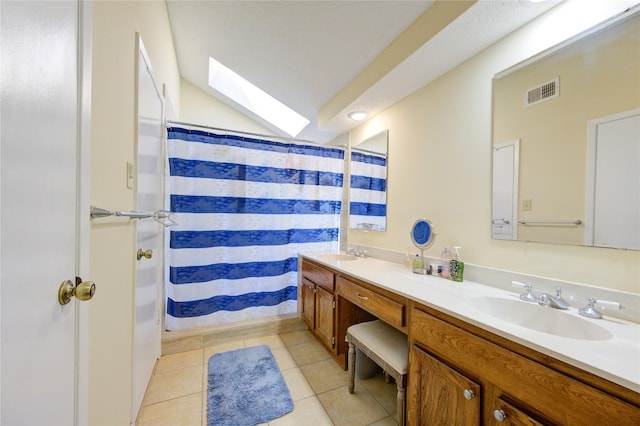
{"x": 423, "y": 235}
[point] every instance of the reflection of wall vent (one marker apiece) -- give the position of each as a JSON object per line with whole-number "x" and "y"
{"x": 545, "y": 91}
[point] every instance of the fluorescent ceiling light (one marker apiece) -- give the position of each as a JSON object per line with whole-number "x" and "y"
{"x": 255, "y": 99}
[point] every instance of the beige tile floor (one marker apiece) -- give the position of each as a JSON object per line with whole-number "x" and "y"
{"x": 177, "y": 392}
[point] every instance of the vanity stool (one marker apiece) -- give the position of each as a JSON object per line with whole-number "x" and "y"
{"x": 388, "y": 348}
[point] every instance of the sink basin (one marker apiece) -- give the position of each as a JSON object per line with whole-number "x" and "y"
{"x": 337, "y": 256}
{"x": 539, "y": 318}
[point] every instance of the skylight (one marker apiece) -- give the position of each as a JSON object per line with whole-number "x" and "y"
{"x": 254, "y": 99}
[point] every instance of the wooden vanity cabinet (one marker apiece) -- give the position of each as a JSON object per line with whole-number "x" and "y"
{"x": 331, "y": 302}
{"x": 457, "y": 376}
{"x": 318, "y": 303}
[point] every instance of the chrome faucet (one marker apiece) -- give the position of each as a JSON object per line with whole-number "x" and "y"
{"x": 545, "y": 299}
{"x": 357, "y": 252}
{"x": 556, "y": 302}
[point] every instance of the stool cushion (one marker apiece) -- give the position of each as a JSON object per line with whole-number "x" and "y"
{"x": 384, "y": 341}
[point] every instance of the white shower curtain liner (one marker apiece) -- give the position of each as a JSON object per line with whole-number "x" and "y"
{"x": 245, "y": 208}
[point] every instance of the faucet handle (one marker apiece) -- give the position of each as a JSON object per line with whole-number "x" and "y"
{"x": 528, "y": 295}
{"x": 563, "y": 304}
{"x": 591, "y": 312}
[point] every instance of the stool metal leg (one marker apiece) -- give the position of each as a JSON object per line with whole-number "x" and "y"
{"x": 352, "y": 367}
{"x": 402, "y": 400}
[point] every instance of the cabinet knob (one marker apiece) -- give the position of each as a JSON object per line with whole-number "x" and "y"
{"x": 468, "y": 394}
{"x": 500, "y": 415}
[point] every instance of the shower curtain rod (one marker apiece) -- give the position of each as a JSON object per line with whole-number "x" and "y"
{"x": 180, "y": 123}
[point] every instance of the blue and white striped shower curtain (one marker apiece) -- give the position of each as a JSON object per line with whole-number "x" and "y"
{"x": 245, "y": 207}
{"x": 368, "y": 191}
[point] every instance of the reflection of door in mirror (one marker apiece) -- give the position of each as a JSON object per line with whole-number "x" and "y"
{"x": 613, "y": 182}
{"x": 506, "y": 158}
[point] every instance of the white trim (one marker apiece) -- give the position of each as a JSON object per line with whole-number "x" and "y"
{"x": 136, "y": 400}
{"x": 0, "y": 264}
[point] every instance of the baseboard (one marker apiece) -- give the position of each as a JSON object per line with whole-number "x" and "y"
{"x": 198, "y": 338}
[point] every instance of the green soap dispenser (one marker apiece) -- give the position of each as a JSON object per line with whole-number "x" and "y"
{"x": 456, "y": 266}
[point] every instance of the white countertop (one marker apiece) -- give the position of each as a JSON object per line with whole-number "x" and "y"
{"x": 616, "y": 359}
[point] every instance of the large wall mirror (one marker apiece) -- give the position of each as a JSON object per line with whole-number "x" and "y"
{"x": 566, "y": 141}
{"x": 368, "y": 183}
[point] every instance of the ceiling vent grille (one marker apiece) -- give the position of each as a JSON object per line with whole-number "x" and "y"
{"x": 543, "y": 92}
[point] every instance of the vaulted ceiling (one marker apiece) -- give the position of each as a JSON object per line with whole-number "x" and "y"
{"x": 325, "y": 59}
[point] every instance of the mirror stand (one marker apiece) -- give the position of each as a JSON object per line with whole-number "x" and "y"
{"x": 423, "y": 236}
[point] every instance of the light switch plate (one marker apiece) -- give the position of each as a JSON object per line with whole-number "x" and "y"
{"x": 526, "y": 205}
{"x": 130, "y": 176}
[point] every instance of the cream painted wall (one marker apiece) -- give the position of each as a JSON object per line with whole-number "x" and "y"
{"x": 198, "y": 107}
{"x": 440, "y": 169}
{"x": 112, "y": 241}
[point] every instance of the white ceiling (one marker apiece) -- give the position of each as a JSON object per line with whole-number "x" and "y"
{"x": 304, "y": 53}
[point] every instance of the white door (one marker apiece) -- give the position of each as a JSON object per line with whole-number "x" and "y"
{"x": 506, "y": 159}
{"x": 39, "y": 213}
{"x": 149, "y": 233}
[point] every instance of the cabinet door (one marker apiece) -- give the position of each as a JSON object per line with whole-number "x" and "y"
{"x": 309, "y": 303}
{"x": 324, "y": 316}
{"x": 439, "y": 395}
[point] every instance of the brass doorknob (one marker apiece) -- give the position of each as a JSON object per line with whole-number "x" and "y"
{"x": 147, "y": 254}
{"x": 83, "y": 290}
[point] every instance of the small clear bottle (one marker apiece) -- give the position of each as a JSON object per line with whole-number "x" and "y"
{"x": 445, "y": 259}
{"x": 408, "y": 261}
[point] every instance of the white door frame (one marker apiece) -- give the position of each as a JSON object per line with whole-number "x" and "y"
{"x": 147, "y": 342}
{"x": 85, "y": 30}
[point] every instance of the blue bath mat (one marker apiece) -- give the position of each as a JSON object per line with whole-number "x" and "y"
{"x": 246, "y": 388}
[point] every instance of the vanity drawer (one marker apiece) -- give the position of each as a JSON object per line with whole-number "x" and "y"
{"x": 388, "y": 310}
{"x": 318, "y": 275}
